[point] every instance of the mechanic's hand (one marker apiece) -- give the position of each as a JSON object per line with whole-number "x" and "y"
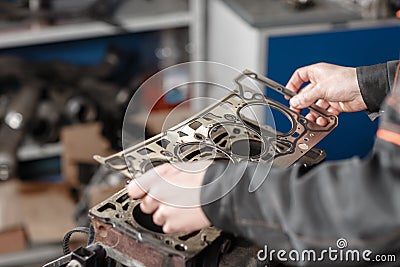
{"x": 333, "y": 88}
{"x": 172, "y": 195}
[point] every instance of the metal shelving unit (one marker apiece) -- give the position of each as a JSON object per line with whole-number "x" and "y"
{"x": 133, "y": 17}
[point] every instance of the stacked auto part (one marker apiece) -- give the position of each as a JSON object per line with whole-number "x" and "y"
{"x": 41, "y": 97}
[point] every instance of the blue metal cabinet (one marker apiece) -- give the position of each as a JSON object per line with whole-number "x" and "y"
{"x": 269, "y": 37}
{"x": 351, "y": 47}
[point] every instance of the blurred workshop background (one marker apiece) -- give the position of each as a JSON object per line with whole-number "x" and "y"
{"x": 68, "y": 69}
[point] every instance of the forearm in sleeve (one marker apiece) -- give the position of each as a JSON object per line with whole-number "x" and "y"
{"x": 352, "y": 199}
{"x": 375, "y": 83}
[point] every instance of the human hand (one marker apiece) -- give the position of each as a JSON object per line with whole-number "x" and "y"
{"x": 172, "y": 195}
{"x": 332, "y": 87}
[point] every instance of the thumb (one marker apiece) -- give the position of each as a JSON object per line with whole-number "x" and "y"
{"x": 139, "y": 187}
{"x": 306, "y": 97}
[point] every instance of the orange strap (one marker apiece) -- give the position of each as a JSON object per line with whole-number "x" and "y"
{"x": 389, "y": 136}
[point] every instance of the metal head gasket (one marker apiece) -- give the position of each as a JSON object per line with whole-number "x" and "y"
{"x": 221, "y": 131}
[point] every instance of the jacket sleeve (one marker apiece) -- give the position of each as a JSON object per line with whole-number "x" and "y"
{"x": 352, "y": 199}
{"x": 375, "y": 82}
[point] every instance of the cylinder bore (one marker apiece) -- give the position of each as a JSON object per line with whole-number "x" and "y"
{"x": 258, "y": 115}
{"x": 237, "y": 140}
{"x": 247, "y": 148}
{"x": 145, "y": 220}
